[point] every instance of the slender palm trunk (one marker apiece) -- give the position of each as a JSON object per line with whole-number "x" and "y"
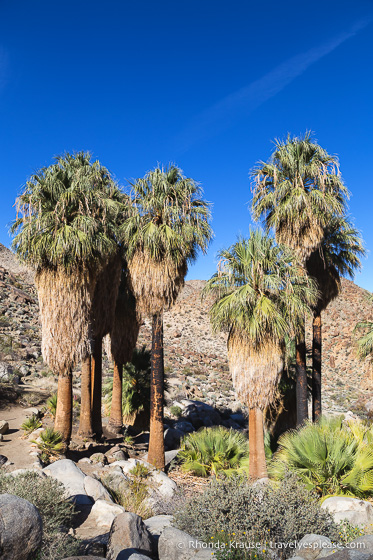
{"x": 156, "y": 441}
{"x": 85, "y": 423}
{"x": 64, "y": 413}
{"x": 261, "y": 458}
{"x": 316, "y": 367}
{"x": 301, "y": 382}
{"x": 253, "y": 463}
{"x": 116, "y": 413}
{"x": 96, "y": 388}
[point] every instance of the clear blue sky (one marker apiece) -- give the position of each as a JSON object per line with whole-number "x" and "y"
{"x": 205, "y": 84}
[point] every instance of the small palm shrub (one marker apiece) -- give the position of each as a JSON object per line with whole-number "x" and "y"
{"x": 176, "y": 411}
{"x": 47, "y": 494}
{"x": 50, "y": 444}
{"x": 330, "y": 457}
{"x": 279, "y": 513}
{"x": 136, "y": 385}
{"x": 52, "y": 404}
{"x": 31, "y": 424}
{"x": 213, "y": 450}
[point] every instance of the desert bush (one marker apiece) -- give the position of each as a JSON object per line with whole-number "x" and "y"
{"x": 330, "y": 457}
{"x": 134, "y": 492}
{"x": 31, "y": 424}
{"x": 50, "y": 444}
{"x": 213, "y": 450}
{"x": 176, "y": 411}
{"x": 272, "y": 513}
{"x": 47, "y": 494}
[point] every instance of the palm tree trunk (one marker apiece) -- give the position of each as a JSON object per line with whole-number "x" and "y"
{"x": 253, "y": 455}
{"x": 301, "y": 382}
{"x": 261, "y": 458}
{"x": 64, "y": 412}
{"x": 85, "y": 424}
{"x": 116, "y": 413}
{"x": 316, "y": 367}
{"x": 156, "y": 440}
{"x": 96, "y": 389}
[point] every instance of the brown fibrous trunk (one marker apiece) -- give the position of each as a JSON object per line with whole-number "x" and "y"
{"x": 85, "y": 423}
{"x": 316, "y": 367}
{"x": 116, "y": 413}
{"x": 64, "y": 411}
{"x": 253, "y": 456}
{"x": 156, "y": 440}
{"x": 96, "y": 388}
{"x": 301, "y": 381}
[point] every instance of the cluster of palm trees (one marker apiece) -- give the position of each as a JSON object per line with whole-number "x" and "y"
{"x": 264, "y": 289}
{"x": 104, "y": 259}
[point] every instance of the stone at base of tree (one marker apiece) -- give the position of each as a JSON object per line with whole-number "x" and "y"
{"x": 314, "y": 546}
{"x": 357, "y": 512}
{"x": 128, "y": 531}
{"x": 21, "y": 528}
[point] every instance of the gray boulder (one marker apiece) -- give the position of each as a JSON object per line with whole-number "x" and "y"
{"x": 21, "y": 528}
{"x": 156, "y": 524}
{"x": 357, "y": 512}
{"x": 131, "y": 554}
{"x": 184, "y": 426}
{"x": 314, "y": 546}
{"x": 72, "y": 478}
{"x": 95, "y": 490}
{"x": 172, "y": 438}
{"x": 128, "y": 532}
{"x": 174, "y": 544}
{"x": 6, "y": 372}
{"x": 4, "y": 427}
{"x": 359, "y": 549}
{"x": 84, "y": 558}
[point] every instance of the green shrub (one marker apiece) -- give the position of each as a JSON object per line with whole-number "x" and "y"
{"x": 51, "y": 444}
{"x": 176, "y": 411}
{"x": 31, "y": 424}
{"x": 213, "y": 450}
{"x": 52, "y": 404}
{"x": 281, "y": 513}
{"x": 47, "y": 494}
{"x": 330, "y": 457}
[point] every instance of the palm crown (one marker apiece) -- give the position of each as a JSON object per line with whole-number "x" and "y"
{"x": 297, "y": 191}
{"x": 67, "y": 214}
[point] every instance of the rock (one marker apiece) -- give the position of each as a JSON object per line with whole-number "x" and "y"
{"x": 156, "y": 524}
{"x": 119, "y": 455}
{"x": 103, "y": 513}
{"x": 128, "y": 531}
{"x": 357, "y": 512}
{"x": 166, "y": 487}
{"x": 183, "y": 426}
{"x": 172, "y": 438}
{"x": 359, "y": 549}
{"x": 21, "y": 528}
{"x": 6, "y": 372}
{"x": 131, "y": 554}
{"x": 174, "y": 544}
{"x": 72, "y": 478}
{"x": 3, "y": 460}
{"x": 96, "y": 490}
{"x": 314, "y": 546}
{"x": 84, "y": 558}
{"x": 4, "y": 427}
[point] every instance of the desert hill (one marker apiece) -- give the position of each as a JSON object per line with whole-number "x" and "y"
{"x": 195, "y": 358}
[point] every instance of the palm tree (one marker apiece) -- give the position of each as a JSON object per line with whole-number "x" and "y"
{"x": 262, "y": 293}
{"x": 338, "y": 255}
{"x": 123, "y": 338}
{"x": 297, "y": 192}
{"x": 169, "y": 223}
{"x": 65, "y": 229}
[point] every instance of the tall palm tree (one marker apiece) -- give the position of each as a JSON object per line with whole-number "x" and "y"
{"x": 338, "y": 255}
{"x": 123, "y": 338}
{"x": 297, "y": 192}
{"x": 169, "y": 223}
{"x": 262, "y": 293}
{"x": 65, "y": 229}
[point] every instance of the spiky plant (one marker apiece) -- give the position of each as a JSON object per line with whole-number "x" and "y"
{"x": 338, "y": 255}
{"x": 297, "y": 192}
{"x": 261, "y": 293}
{"x": 31, "y": 424}
{"x": 169, "y": 224}
{"x": 66, "y": 230}
{"x": 50, "y": 444}
{"x": 329, "y": 456}
{"x": 52, "y": 404}
{"x": 213, "y": 450}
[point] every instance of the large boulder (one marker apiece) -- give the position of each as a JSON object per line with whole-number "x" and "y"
{"x": 357, "y": 512}
{"x": 359, "y": 549}
{"x": 4, "y": 427}
{"x": 157, "y": 523}
{"x": 165, "y": 486}
{"x": 6, "y": 372}
{"x": 172, "y": 438}
{"x": 314, "y": 546}
{"x": 72, "y": 478}
{"x": 96, "y": 490}
{"x": 103, "y": 513}
{"x": 21, "y": 528}
{"x": 128, "y": 532}
{"x": 174, "y": 544}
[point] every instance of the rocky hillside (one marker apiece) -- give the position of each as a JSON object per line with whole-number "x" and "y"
{"x": 195, "y": 358}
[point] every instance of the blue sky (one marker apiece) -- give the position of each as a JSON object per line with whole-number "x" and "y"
{"x": 204, "y": 84}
